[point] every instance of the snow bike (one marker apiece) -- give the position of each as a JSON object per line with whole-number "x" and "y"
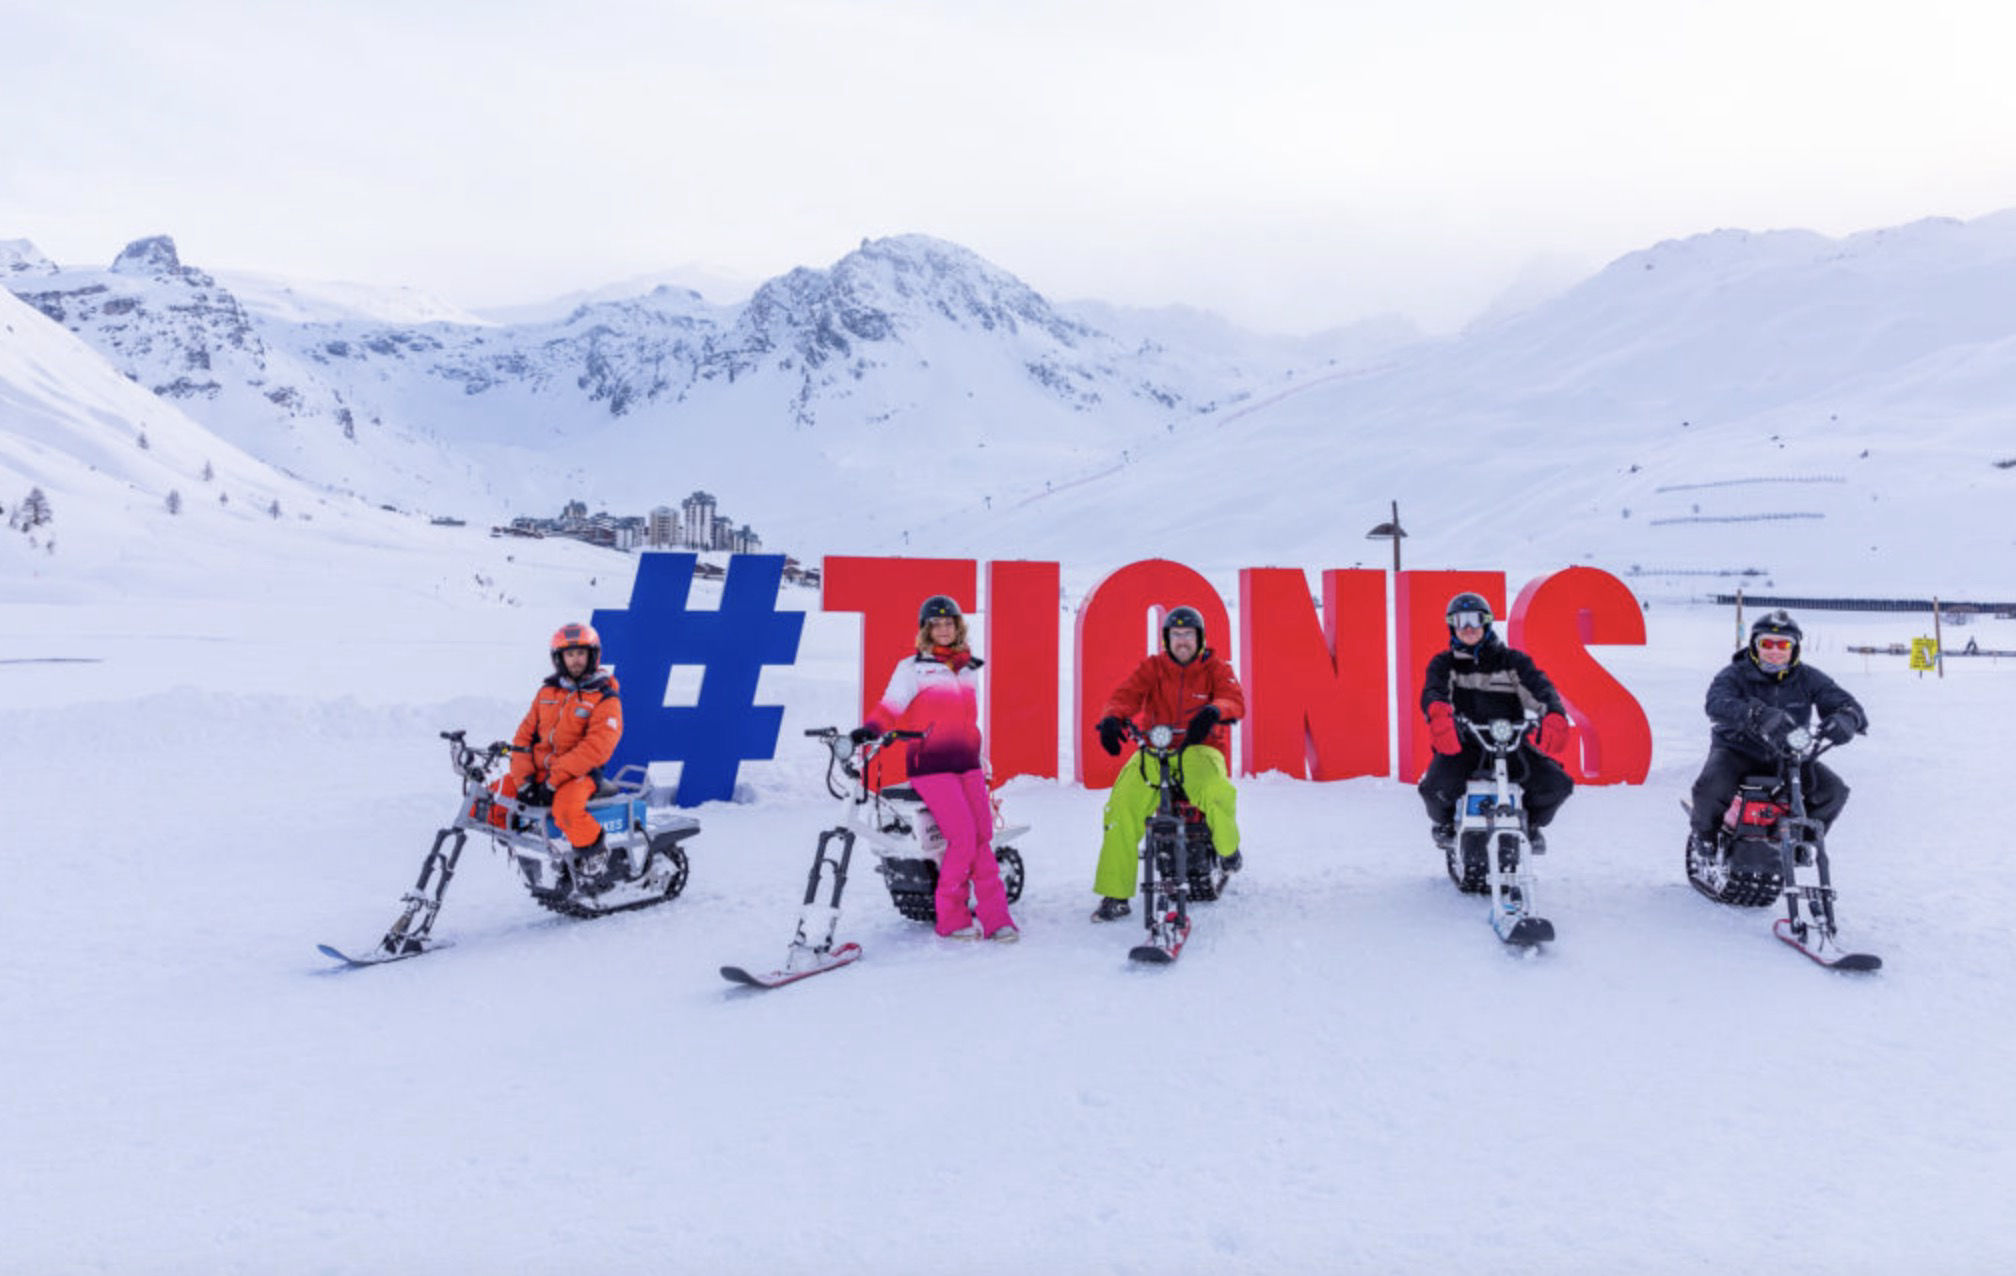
{"x": 1493, "y": 850}
{"x": 1179, "y": 862}
{"x": 909, "y": 847}
{"x": 1764, "y": 839}
{"x": 641, "y": 861}
{"x": 907, "y": 842}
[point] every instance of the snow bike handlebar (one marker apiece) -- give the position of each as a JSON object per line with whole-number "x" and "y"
{"x": 1164, "y": 739}
{"x": 471, "y": 763}
{"x": 1800, "y": 745}
{"x": 1500, "y": 735}
{"x": 840, "y": 750}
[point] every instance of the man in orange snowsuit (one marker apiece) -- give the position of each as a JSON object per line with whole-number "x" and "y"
{"x": 568, "y": 735}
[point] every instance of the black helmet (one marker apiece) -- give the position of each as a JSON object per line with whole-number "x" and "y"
{"x": 1183, "y": 618}
{"x": 935, "y": 607}
{"x": 1776, "y": 624}
{"x": 1466, "y": 602}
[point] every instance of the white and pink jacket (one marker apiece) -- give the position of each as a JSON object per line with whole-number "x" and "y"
{"x": 927, "y": 694}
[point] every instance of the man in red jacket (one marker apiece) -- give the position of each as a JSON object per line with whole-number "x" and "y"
{"x": 1184, "y": 685}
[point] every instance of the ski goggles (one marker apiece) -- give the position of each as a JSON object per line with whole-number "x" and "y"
{"x": 1774, "y": 644}
{"x": 1469, "y": 619}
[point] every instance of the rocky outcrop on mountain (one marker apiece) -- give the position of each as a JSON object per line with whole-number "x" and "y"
{"x": 153, "y": 258}
{"x": 164, "y": 325}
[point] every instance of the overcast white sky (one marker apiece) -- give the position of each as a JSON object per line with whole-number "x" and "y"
{"x": 1291, "y": 165}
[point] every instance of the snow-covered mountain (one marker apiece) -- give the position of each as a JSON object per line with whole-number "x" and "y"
{"x": 906, "y": 343}
{"x": 717, "y": 287}
{"x": 1832, "y": 412}
{"x": 1694, "y": 410}
{"x": 176, "y": 331}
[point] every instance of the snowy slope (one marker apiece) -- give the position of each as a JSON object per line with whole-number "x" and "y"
{"x": 1829, "y": 413}
{"x": 1345, "y": 1072}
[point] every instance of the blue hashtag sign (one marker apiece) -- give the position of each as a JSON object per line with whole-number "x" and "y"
{"x": 714, "y": 736}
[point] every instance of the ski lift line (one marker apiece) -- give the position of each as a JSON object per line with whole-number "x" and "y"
{"x": 1294, "y": 390}
{"x": 1732, "y": 518}
{"x": 1068, "y": 484}
{"x": 1636, "y": 571}
{"x": 1946, "y": 605}
{"x": 1694, "y": 487}
{"x": 1222, "y": 421}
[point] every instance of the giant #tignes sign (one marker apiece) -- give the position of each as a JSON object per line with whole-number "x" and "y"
{"x": 1318, "y": 691}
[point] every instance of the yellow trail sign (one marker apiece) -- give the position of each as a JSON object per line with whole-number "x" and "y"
{"x": 1924, "y": 653}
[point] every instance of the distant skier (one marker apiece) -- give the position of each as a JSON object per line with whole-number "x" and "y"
{"x": 567, "y": 737}
{"x": 1480, "y": 678}
{"x": 1184, "y": 684}
{"x": 1754, "y": 702}
{"x": 937, "y": 691}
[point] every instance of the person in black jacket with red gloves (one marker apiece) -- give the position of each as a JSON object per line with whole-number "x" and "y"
{"x": 1480, "y": 678}
{"x": 1754, "y": 703}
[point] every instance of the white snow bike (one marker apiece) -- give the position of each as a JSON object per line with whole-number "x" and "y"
{"x": 1492, "y": 851}
{"x": 909, "y": 848}
{"x": 641, "y": 861}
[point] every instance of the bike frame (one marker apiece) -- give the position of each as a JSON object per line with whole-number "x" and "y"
{"x": 1165, "y": 825}
{"x": 1505, "y": 817}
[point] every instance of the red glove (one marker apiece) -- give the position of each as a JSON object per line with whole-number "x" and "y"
{"x": 1442, "y": 729}
{"x": 1552, "y": 737}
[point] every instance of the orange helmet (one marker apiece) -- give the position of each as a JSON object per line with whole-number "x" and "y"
{"x": 568, "y": 637}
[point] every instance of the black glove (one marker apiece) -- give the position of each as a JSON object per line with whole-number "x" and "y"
{"x": 1771, "y": 723}
{"x": 1109, "y": 729}
{"x": 861, "y": 735}
{"x": 535, "y": 794}
{"x": 1839, "y": 728}
{"x": 1201, "y": 723}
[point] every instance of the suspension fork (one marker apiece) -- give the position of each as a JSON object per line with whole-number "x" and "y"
{"x": 809, "y": 916}
{"x": 416, "y": 921}
{"x": 1798, "y": 827}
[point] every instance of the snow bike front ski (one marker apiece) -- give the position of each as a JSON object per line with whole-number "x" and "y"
{"x": 808, "y": 956}
{"x": 639, "y": 861}
{"x": 1766, "y": 841}
{"x": 1492, "y": 851}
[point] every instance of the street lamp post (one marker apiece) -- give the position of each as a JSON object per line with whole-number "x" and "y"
{"x": 1390, "y": 531}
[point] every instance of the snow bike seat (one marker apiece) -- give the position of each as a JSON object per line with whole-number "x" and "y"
{"x": 901, "y": 793}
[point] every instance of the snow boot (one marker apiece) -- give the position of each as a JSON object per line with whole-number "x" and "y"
{"x": 1111, "y": 910}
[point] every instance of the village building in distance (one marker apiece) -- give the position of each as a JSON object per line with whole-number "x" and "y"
{"x": 696, "y": 525}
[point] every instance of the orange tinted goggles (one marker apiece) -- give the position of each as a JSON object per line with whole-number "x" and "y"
{"x": 1774, "y": 644}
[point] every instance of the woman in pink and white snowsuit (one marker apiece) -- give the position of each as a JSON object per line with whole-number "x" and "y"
{"x": 937, "y": 691}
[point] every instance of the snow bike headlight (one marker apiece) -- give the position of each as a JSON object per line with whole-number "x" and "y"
{"x": 1504, "y": 732}
{"x": 1161, "y": 734}
{"x": 1797, "y": 739}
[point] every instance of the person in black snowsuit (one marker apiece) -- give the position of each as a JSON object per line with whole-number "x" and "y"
{"x": 1480, "y": 678}
{"x": 1754, "y": 702}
